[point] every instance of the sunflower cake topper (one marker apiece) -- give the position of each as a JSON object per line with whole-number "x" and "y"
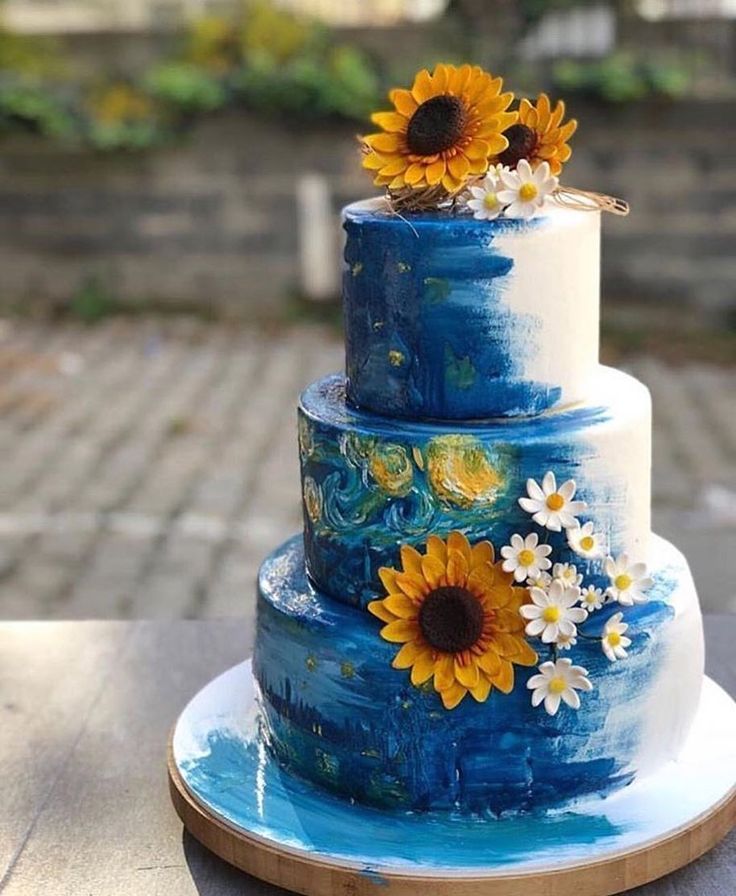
{"x": 466, "y": 621}
{"x": 454, "y": 141}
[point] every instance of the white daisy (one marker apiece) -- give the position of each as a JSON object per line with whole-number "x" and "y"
{"x": 525, "y": 557}
{"x": 552, "y": 612}
{"x": 565, "y": 642}
{"x": 629, "y": 581}
{"x": 543, "y": 581}
{"x": 482, "y": 198}
{"x": 585, "y": 542}
{"x": 568, "y": 574}
{"x": 614, "y": 641}
{"x": 592, "y": 598}
{"x": 524, "y": 190}
{"x": 557, "y": 681}
{"x": 552, "y": 507}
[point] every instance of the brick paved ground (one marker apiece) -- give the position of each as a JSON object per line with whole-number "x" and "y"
{"x": 149, "y": 466}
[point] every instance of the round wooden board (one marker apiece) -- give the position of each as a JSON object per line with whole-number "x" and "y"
{"x": 314, "y": 876}
{"x": 237, "y": 801}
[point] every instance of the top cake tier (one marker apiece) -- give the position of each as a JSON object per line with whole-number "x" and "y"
{"x": 448, "y": 317}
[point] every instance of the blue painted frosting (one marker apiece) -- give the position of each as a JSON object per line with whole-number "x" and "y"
{"x": 427, "y": 331}
{"x": 372, "y": 483}
{"x": 337, "y": 713}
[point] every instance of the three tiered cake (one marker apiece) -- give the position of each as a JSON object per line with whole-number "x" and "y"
{"x": 477, "y": 617}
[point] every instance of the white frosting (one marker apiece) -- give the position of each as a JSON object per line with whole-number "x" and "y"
{"x": 615, "y": 456}
{"x": 671, "y": 704}
{"x": 556, "y": 280}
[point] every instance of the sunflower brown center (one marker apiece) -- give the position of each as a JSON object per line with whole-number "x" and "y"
{"x": 522, "y": 143}
{"x": 451, "y": 619}
{"x": 436, "y": 125}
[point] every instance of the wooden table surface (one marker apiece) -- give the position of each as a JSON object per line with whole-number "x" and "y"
{"x": 85, "y": 710}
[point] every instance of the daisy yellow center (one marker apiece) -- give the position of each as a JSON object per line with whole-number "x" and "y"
{"x": 622, "y": 581}
{"x": 526, "y": 557}
{"x": 555, "y": 501}
{"x": 528, "y": 191}
{"x": 587, "y": 542}
{"x": 522, "y": 143}
{"x": 451, "y": 619}
{"x": 613, "y": 638}
{"x": 557, "y": 685}
{"x": 436, "y": 126}
{"x": 551, "y": 614}
{"x": 490, "y": 201}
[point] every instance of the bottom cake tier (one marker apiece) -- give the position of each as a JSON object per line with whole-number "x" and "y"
{"x": 335, "y": 711}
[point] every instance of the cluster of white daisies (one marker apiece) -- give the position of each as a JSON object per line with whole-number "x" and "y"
{"x": 514, "y": 192}
{"x": 559, "y": 602}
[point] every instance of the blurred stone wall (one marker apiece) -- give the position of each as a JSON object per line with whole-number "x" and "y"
{"x": 211, "y": 223}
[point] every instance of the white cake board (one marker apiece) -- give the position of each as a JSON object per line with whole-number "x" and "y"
{"x": 234, "y": 798}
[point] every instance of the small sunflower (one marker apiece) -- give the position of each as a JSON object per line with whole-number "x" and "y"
{"x": 441, "y": 132}
{"x": 456, "y": 613}
{"x": 539, "y": 135}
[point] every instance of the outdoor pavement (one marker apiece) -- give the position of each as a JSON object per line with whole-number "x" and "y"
{"x": 149, "y": 465}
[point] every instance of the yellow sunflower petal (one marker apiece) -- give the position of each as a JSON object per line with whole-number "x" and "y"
{"x": 402, "y": 606}
{"x": 451, "y": 183}
{"x": 444, "y": 671}
{"x": 377, "y": 608}
{"x": 437, "y": 548}
{"x": 453, "y": 695}
{"x": 413, "y": 585}
{"x": 383, "y": 142}
{"x": 390, "y": 121}
{"x": 508, "y": 620}
{"x": 423, "y": 667}
{"x": 400, "y": 630}
{"x": 407, "y": 656}
{"x": 481, "y": 580}
{"x": 414, "y": 174}
{"x": 477, "y": 150}
{"x": 411, "y": 559}
{"x": 506, "y": 645}
{"x": 403, "y": 101}
{"x": 433, "y": 571}
{"x": 504, "y": 679}
{"x": 462, "y": 79}
{"x": 543, "y": 111}
{"x": 397, "y": 183}
{"x": 481, "y": 553}
{"x": 459, "y": 166}
{"x": 422, "y": 88}
{"x": 373, "y": 161}
{"x": 526, "y": 655}
{"x": 481, "y": 691}
{"x": 467, "y": 675}
{"x": 440, "y": 78}
{"x": 456, "y": 541}
{"x": 525, "y": 107}
{"x": 457, "y": 568}
{"x": 557, "y": 115}
{"x": 435, "y": 172}
{"x": 489, "y": 663}
{"x": 387, "y": 575}
{"x": 394, "y": 167}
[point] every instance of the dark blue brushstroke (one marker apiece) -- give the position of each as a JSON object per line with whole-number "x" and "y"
{"x": 240, "y": 783}
{"x": 361, "y": 528}
{"x": 337, "y": 713}
{"x": 426, "y": 329}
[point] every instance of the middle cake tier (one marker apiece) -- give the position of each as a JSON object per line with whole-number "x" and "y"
{"x": 372, "y": 483}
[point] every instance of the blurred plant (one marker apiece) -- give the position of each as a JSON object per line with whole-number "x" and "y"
{"x": 92, "y": 301}
{"x": 214, "y": 44}
{"x": 278, "y": 34}
{"x": 621, "y": 78}
{"x": 31, "y": 56}
{"x": 30, "y": 108}
{"x": 186, "y": 87}
{"x": 123, "y": 117}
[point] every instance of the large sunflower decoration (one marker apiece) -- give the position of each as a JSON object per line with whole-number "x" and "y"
{"x": 456, "y": 614}
{"x": 453, "y": 141}
{"x": 440, "y": 133}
